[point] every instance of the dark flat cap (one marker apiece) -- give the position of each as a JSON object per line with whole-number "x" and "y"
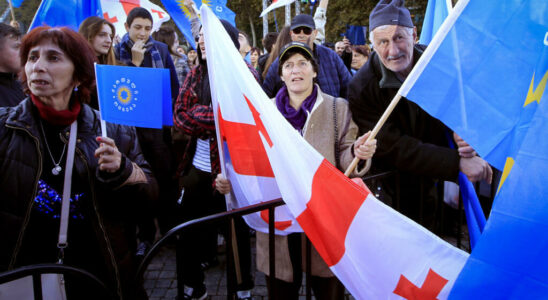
{"x": 390, "y": 12}
{"x": 303, "y": 20}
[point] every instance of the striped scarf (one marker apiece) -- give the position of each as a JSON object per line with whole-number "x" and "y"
{"x": 125, "y": 52}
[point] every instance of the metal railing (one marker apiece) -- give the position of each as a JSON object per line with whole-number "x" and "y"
{"x": 224, "y": 217}
{"x": 35, "y": 271}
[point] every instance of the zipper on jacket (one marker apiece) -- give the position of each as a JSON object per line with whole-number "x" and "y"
{"x": 31, "y": 204}
{"x": 100, "y": 222}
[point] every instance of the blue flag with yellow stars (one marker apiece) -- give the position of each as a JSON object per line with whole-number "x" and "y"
{"x": 134, "y": 96}
{"x": 181, "y": 14}
{"x": 485, "y": 77}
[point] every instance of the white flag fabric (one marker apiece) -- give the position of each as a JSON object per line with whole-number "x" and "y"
{"x": 376, "y": 252}
{"x": 275, "y": 4}
{"x": 115, "y": 11}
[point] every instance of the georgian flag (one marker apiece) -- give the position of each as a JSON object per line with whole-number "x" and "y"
{"x": 275, "y": 4}
{"x": 115, "y": 11}
{"x": 376, "y": 252}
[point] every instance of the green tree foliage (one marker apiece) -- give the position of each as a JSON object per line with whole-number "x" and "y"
{"x": 340, "y": 13}
{"x": 23, "y": 14}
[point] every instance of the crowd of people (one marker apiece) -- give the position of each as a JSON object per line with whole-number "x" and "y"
{"x": 129, "y": 188}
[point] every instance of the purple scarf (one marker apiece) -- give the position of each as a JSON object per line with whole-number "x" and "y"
{"x": 297, "y": 118}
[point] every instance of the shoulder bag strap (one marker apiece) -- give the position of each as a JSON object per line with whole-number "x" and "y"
{"x": 65, "y": 204}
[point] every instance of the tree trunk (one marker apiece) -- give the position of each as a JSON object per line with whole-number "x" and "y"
{"x": 288, "y": 15}
{"x": 265, "y": 19}
{"x": 252, "y": 30}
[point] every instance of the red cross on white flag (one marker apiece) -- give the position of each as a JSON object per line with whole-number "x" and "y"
{"x": 115, "y": 11}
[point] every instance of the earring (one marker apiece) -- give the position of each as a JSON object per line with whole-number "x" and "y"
{"x": 76, "y": 88}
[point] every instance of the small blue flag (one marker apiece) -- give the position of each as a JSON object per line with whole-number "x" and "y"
{"x": 15, "y": 3}
{"x": 134, "y": 96}
{"x": 65, "y": 13}
{"x": 356, "y": 34}
{"x": 181, "y": 15}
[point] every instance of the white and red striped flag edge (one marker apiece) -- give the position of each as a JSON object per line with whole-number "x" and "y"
{"x": 375, "y": 251}
{"x": 275, "y": 4}
{"x": 115, "y": 11}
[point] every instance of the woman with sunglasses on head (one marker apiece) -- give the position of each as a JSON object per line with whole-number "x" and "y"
{"x": 325, "y": 122}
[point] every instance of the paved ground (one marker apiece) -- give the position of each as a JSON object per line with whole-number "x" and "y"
{"x": 161, "y": 280}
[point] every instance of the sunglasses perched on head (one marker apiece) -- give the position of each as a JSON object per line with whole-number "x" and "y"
{"x": 306, "y": 30}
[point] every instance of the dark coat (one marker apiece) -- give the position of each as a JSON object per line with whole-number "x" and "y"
{"x": 411, "y": 141}
{"x": 11, "y": 92}
{"x": 156, "y": 143}
{"x": 333, "y": 76}
{"x": 22, "y": 154}
{"x": 166, "y": 61}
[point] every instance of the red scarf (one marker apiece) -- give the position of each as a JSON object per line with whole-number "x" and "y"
{"x": 57, "y": 117}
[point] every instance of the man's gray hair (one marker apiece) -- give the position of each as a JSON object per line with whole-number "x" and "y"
{"x": 409, "y": 31}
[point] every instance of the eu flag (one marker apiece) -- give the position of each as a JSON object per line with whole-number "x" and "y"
{"x": 65, "y": 13}
{"x": 181, "y": 15}
{"x": 134, "y": 96}
{"x": 485, "y": 76}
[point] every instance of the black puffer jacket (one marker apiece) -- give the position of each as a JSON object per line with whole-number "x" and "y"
{"x": 21, "y": 156}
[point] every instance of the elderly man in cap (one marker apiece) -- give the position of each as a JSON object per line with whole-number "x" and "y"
{"x": 411, "y": 142}
{"x": 333, "y": 76}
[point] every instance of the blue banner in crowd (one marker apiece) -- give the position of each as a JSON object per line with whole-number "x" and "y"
{"x": 356, "y": 34}
{"x": 134, "y": 96}
{"x": 485, "y": 77}
{"x": 436, "y": 12}
{"x": 181, "y": 15}
{"x": 15, "y": 3}
{"x": 65, "y": 13}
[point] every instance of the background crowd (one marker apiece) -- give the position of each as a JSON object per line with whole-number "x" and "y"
{"x": 134, "y": 185}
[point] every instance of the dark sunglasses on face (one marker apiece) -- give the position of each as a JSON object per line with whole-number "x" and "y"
{"x": 306, "y": 30}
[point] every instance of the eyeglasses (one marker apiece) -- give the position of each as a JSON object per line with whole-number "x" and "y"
{"x": 305, "y": 30}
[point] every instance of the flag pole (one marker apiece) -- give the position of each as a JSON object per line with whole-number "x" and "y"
{"x": 103, "y": 123}
{"x": 11, "y": 9}
{"x": 228, "y": 197}
{"x": 375, "y": 131}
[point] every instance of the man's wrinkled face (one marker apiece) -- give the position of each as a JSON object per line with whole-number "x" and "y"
{"x": 394, "y": 44}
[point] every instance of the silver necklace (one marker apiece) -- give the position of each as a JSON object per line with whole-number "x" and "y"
{"x": 56, "y": 165}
